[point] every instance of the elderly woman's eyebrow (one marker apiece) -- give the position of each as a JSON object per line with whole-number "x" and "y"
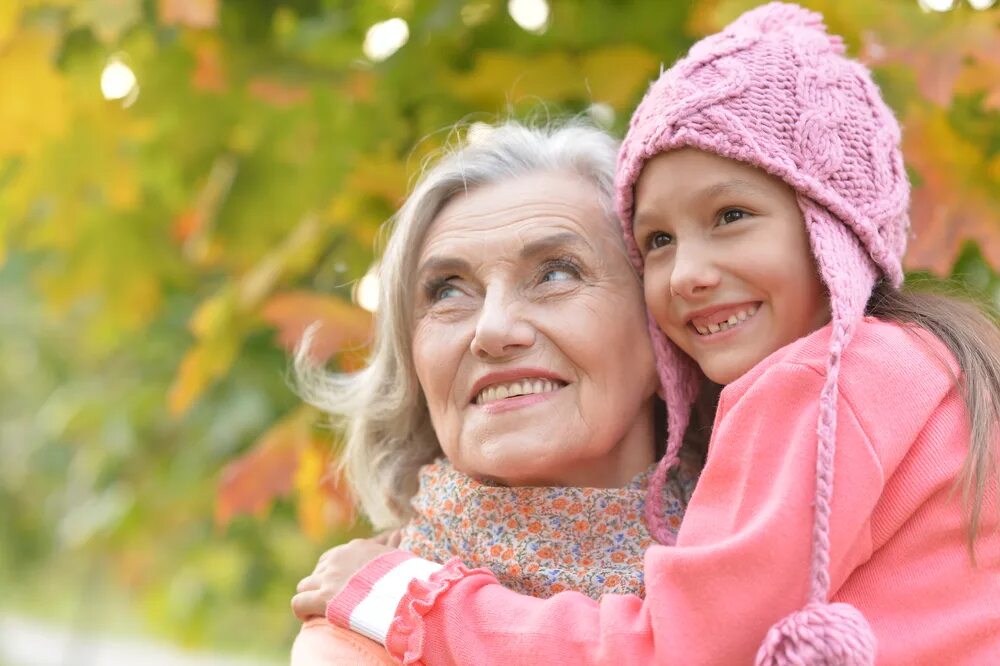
{"x": 564, "y": 240}
{"x": 439, "y": 264}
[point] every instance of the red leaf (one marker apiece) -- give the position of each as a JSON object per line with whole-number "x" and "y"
{"x": 251, "y": 483}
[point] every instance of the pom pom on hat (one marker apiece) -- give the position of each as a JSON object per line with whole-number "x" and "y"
{"x": 780, "y": 16}
{"x": 820, "y": 635}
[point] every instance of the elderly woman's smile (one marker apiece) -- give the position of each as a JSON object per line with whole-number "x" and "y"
{"x": 529, "y": 338}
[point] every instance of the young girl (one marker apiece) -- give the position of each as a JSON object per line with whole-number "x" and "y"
{"x": 764, "y": 197}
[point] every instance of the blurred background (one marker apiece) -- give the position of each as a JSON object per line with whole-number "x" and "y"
{"x": 185, "y": 185}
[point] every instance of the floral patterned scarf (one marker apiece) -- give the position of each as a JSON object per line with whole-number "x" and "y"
{"x": 541, "y": 540}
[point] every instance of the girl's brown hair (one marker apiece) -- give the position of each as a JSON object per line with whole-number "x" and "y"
{"x": 972, "y": 332}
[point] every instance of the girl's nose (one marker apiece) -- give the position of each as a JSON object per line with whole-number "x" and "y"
{"x": 695, "y": 272}
{"x": 501, "y": 330}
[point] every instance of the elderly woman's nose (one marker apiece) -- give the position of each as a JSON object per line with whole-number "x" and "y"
{"x": 695, "y": 270}
{"x": 501, "y": 330}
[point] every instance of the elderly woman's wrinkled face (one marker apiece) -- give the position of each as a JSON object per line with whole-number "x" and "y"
{"x": 530, "y": 339}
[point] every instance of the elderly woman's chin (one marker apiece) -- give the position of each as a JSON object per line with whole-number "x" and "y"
{"x": 530, "y": 340}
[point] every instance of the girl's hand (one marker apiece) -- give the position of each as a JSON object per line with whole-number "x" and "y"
{"x": 334, "y": 569}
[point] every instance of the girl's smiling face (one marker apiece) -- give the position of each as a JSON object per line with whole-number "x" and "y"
{"x": 729, "y": 275}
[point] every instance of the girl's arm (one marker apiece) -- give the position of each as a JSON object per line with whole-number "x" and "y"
{"x": 741, "y": 561}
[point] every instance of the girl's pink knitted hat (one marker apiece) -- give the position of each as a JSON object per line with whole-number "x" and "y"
{"x": 774, "y": 90}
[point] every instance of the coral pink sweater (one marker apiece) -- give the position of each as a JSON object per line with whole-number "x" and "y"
{"x": 898, "y": 539}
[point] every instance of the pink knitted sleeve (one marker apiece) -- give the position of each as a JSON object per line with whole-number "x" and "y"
{"x": 741, "y": 561}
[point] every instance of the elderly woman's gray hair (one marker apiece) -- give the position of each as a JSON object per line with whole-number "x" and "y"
{"x": 381, "y": 409}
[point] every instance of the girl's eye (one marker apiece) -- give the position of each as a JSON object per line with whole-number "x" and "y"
{"x": 733, "y": 215}
{"x": 658, "y": 239}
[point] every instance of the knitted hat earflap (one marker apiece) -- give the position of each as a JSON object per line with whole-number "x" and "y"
{"x": 824, "y": 633}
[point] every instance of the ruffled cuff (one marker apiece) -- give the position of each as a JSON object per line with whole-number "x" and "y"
{"x": 368, "y": 602}
{"x": 406, "y": 637}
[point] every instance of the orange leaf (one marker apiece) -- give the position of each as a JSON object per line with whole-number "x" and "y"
{"x": 251, "y": 483}
{"x": 208, "y": 74}
{"x": 343, "y": 325}
{"x": 190, "y": 13}
{"x": 937, "y": 51}
{"x": 277, "y": 93}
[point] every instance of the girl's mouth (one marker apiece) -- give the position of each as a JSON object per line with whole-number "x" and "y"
{"x": 719, "y": 323}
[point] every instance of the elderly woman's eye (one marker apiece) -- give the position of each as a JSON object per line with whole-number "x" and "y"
{"x": 560, "y": 271}
{"x": 658, "y": 239}
{"x": 439, "y": 290}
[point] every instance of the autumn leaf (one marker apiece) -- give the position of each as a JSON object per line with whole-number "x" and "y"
{"x": 954, "y": 202}
{"x": 39, "y": 111}
{"x": 618, "y": 75}
{"x": 251, "y": 483}
{"x": 190, "y": 13}
{"x": 201, "y": 365}
{"x": 323, "y": 501}
{"x": 277, "y": 93}
{"x": 343, "y": 326}
{"x": 380, "y": 174}
{"x": 209, "y": 74}
{"x": 499, "y": 78}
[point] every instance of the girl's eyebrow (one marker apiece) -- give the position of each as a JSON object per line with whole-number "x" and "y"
{"x": 709, "y": 193}
{"x": 734, "y": 186}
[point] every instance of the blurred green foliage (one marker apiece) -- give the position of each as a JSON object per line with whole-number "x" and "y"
{"x": 158, "y": 256}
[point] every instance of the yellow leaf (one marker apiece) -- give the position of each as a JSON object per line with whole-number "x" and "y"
{"x": 323, "y": 500}
{"x": 619, "y": 74}
{"x": 295, "y": 255}
{"x": 203, "y": 364}
{"x": 381, "y": 174}
{"x": 10, "y": 16}
{"x": 311, "y": 502}
{"x": 498, "y": 79}
{"x": 214, "y": 315}
{"x": 35, "y": 107}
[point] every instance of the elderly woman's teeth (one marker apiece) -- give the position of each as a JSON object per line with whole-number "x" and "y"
{"x": 514, "y": 389}
{"x": 734, "y": 320}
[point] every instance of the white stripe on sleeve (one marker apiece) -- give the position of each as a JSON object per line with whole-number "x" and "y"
{"x": 374, "y": 614}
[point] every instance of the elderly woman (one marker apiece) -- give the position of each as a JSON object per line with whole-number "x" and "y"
{"x": 512, "y": 364}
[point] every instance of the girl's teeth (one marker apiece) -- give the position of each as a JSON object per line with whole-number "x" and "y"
{"x": 733, "y": 320}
